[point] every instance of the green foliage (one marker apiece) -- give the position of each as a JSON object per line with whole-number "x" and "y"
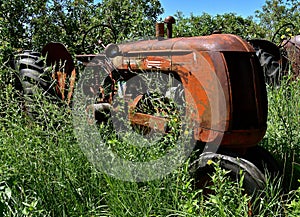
{"x": 276, "y": 13}
{"x": 171, "y": 196}
{"x": 30, "y": 25}
{"x": 282, "y": 137}
{"x": 37, "y": 158}
{"x": 294, "y": 205}
{"x": 131, "y": 18}
{"x": 65, "y": 20}
{"x": 228, "y": 198}
{"x": 271, "y": 201}
{"x": 226, "y": 23}
{"x": 15, "y": 19}
{"x": 45, "y": 173}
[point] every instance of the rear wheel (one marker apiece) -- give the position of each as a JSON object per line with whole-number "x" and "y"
{"x": 34, "y": 77}
{"x": 32, "y": 73}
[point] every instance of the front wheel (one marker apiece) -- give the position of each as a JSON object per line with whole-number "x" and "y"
{"x": 264, "y": 161}
{"x": 202, "y": 169}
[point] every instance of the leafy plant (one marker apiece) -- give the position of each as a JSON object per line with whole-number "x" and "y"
{"x": 294, "y": 205}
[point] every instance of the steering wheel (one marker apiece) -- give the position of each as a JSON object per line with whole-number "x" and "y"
{"x": 277, "y": 33}
{"x": 94, "y": 38}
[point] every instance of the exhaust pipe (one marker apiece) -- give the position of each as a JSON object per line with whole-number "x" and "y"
{"x": 169, "y": 21}
{"x": 160, "y": 28}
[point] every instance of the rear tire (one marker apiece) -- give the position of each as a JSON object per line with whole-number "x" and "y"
{"x": 34, "y": 77}
{"x": 32, "y": 72}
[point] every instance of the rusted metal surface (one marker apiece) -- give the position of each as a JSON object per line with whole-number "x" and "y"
{"x": 145, "y": 120}
{"x": 169, "y": 21}
{"x": 215, "y": 42}
{"x": 220, "y": 74}
{"x": 292, "y": 47}
{"x": 159, "y": 29}
{"x": 58, "y": 57}
{"x": 151, "y": 121}
{"x": 208, "y": 66}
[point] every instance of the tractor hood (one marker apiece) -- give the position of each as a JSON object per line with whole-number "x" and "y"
{"x": 214, "y": 42}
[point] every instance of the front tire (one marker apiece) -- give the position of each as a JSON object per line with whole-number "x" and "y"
{"x": 264, "y": 161}
{"x": 253, "y": 182}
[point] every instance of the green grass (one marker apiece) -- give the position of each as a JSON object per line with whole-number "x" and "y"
{"x": 43, "y": 171}
{"x": 283, "y": 138}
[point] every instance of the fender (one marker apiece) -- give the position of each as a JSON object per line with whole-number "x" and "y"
{"x": 59, "y": 57}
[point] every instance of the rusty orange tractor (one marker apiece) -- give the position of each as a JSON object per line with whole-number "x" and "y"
{"x": 218, "y": 77}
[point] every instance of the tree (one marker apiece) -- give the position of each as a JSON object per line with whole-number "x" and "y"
{"x": 226, "y": 23}
{"x": 234, "y": 24}
{"x": 193, "y": 25}
{"x": 15, "y": 18}
{"x": 131, "y": 18}
{"x": 276, "y": 13}
{"x": 64, "y": 21}
{"x": 28, "y": 24}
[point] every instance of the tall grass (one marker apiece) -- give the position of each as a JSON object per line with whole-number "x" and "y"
{"x": 283, "y": 138}
{"x": 43, "y": 171}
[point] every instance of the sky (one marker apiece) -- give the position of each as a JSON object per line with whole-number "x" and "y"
{"x": 243, "y": 8}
